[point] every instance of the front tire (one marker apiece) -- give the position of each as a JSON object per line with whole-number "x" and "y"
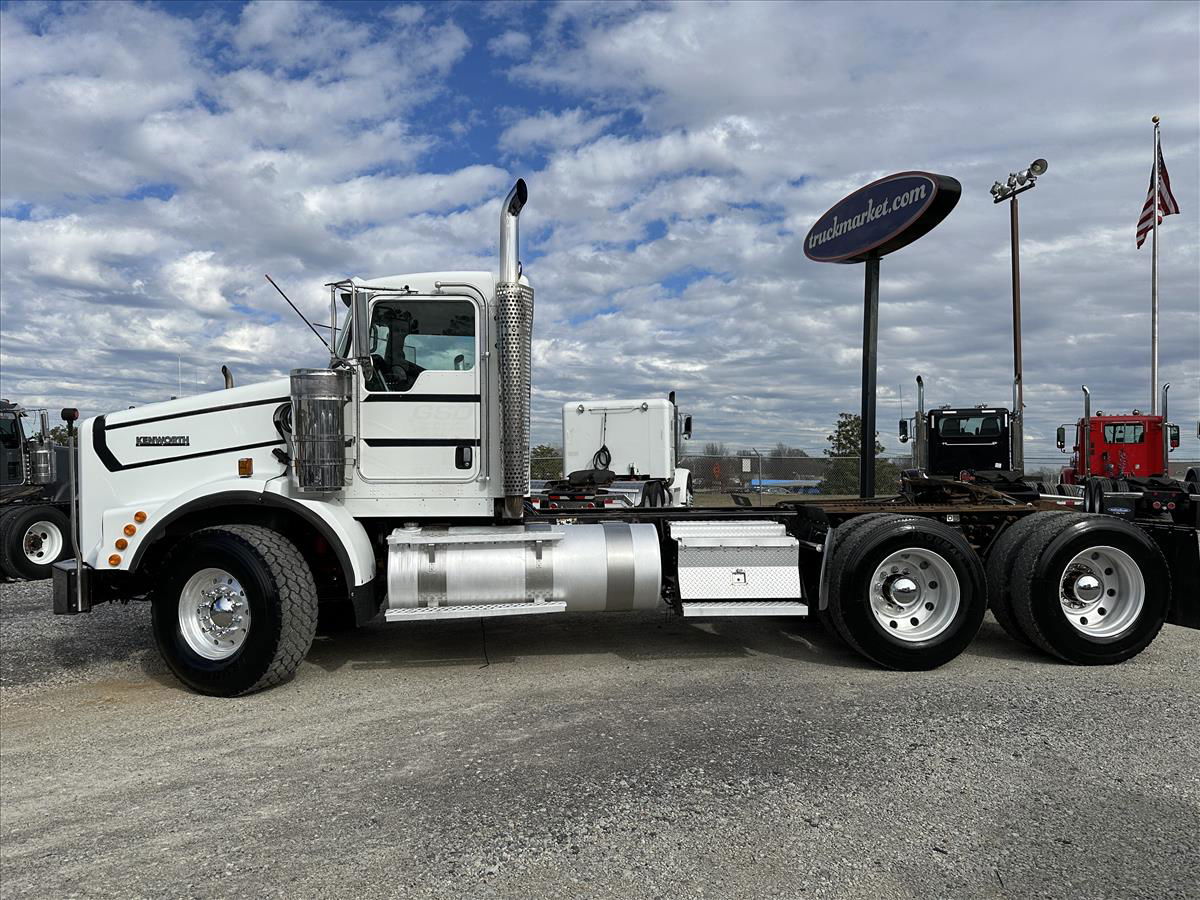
{"x": 236, "y": 611}
{"x": 905, "y": 591}
{"x": 32, "y": 540}
{"x": 1091, "y": 590}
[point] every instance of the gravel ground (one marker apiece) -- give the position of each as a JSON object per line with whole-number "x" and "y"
{"x": 621, "y": 756}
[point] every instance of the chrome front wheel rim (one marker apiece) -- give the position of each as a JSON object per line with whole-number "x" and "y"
{"x": 1102, "y": 592}
{"x": 214, "y": 614}
{"x": 915, "y": 594}
{"x": 42, "y": 543}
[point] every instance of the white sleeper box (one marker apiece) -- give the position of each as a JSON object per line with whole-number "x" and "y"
{"x": 640, "y": 435}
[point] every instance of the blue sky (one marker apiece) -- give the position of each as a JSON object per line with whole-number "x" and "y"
{"x": 157, "y": 159}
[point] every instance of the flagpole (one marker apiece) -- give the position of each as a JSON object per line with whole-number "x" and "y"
{"x": 1154, "y": 285}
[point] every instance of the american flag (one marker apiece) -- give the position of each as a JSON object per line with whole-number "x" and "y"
{"x": 1166, "y": 201}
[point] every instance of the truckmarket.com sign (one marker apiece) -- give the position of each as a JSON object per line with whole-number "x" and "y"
{"x": 883, "y": 216}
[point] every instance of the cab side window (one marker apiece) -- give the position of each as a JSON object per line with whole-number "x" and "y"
{"x": 409, "y": 337}
{"x": 10, "y": 436}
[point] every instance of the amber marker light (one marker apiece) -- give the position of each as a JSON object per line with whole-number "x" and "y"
{"x": 245, "y": 467}
{"x": 139, "y": 517}
{"x": 121, "y": 543}
{"x": 130, "y": 529}
{"x": 114, "y": 560}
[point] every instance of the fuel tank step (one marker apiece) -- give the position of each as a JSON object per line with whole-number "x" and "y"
{"x": 477, "y": 611}
{"x": 745, "y": 608}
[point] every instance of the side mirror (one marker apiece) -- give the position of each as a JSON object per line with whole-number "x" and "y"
{"x": 904, "y": 431}
{"x": 1174, "y": 436}
{"x": 687, "y": 428}
{"x": 359, "y": 329}
{"x": 1061, "y": 437}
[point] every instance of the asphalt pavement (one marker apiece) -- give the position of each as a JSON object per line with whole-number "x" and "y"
{"x": 622, "y": 756}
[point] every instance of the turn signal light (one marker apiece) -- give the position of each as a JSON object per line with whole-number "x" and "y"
{"x": 245, "y": 467}
{"x": 130, "y": 529}
{"x": 139, "y": 517}
{"x": 121, "y": 543}
{"x": 114, "y": 560}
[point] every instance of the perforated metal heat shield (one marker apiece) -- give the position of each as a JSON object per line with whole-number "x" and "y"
{"x": 515, "y": 308}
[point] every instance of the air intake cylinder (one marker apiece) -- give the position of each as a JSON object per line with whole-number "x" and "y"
{"x": 319, "y": 398}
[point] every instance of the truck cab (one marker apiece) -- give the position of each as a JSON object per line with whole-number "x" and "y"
{"x": 1118, "y": 446}
{"x": 974, "y": 439}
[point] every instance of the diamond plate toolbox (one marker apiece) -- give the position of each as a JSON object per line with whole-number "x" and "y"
{"x": 750, "y": 560}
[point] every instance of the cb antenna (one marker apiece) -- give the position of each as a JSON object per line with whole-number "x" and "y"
{"x": 300, "y": 314}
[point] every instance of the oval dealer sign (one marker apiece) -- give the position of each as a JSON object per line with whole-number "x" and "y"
{"x": 883, "y": 216}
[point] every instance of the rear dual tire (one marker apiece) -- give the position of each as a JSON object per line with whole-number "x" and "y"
{"x": 1087, "y": 589}
{"x": 906, "y": 592}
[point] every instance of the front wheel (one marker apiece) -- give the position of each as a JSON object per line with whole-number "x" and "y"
{"x": 236, "y": 611}
{"x": 32, "y": 540}
{"x": 905, "y": 591}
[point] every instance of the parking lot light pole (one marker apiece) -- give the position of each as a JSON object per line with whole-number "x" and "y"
{"x": 1018, "y": 182}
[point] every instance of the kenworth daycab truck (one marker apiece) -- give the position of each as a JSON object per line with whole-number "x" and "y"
{"x": 394, "y": 481}
{"x": 34, "y": 502}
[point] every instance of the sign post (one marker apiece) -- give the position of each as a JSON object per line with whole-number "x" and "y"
{"x": 866, "y": 453}
{"x": 865, "y": 226}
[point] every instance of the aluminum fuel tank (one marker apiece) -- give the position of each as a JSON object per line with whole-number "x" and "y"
{"x": 614, "y": 566}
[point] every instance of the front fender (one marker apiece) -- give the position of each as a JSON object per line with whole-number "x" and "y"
{"x": 344, "y": 533}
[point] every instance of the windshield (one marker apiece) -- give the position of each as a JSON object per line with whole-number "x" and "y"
{"x": 970, "y": 426}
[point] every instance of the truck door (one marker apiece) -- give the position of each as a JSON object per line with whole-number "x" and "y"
{"x": 419, "y": 406}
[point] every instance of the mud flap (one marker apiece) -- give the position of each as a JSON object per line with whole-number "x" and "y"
{"x": 1180, "y": 544}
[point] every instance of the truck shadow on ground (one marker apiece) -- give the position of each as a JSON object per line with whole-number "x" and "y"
{"x": 634, "y": 637}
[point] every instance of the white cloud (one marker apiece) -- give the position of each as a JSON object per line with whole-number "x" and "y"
{"x": 154, "y": 166}
{"x": 564, "y": 130}
{"x": 509, "y": 44}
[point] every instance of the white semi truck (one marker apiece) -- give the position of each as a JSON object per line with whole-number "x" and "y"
{"x": 395, "y": 480}
{"x": 620, "y": 453}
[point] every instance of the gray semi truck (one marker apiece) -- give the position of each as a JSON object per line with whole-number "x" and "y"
{"x": 34, "y": 494}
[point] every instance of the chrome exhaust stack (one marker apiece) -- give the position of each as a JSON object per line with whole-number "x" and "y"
{"x": 921, "y": 436}
{"x": 1017, "y": 429}
{"x": 1166, "y": 433}
{"x": 514, "y": 303}
{"x": 1085, "y": 440}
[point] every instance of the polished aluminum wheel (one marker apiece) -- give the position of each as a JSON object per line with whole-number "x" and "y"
{"x": 214, "y": 614}
{"x": 1102, "y": 592}
{"x": 915, "y": 594}
{"x": 42, "y": 543}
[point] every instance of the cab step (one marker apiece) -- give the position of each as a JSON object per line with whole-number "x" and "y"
{"x": 476, "y": 611}
{"x": 744, "y": 608}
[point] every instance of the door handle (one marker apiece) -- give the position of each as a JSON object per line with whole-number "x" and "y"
{"x": 463, "y": 456}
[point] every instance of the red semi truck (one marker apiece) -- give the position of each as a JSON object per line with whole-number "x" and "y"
{"x": 1124, "y": 458}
